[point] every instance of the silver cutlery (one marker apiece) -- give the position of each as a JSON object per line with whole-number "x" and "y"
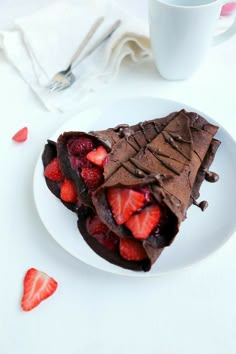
{"x": 66, "y": 78}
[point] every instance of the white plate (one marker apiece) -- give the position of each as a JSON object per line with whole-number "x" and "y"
{"x": 200, "y": 234}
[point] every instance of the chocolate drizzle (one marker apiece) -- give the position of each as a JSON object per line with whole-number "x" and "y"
{"x": 202, "y": 205}
{"x": 170, "y": 138}
{"x": 178, "y": 137}
{"x": 141, "y": 125}
{"x": 211, "y": 177}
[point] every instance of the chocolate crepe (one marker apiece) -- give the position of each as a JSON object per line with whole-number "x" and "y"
{"x": 173, "y": 163}
{"x": 170, "y": 155}
{"x": 49, "y": 153}
{"x": 114, "y": 140}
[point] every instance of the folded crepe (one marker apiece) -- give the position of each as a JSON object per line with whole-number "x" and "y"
{"x": 166, "y": 160}
{"x": 50, "y": 154}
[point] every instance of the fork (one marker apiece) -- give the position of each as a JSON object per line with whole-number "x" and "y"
{"x": 66, "y": 78}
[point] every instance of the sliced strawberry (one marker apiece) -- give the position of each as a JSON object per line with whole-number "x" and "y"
{"x": 142, "y": 223}
{"x": 132, "y": 250}
{"x": 68, "y": 191}
{"x": 81, "y": 146}
{"x": 124, "y": 202}
{"x": 92, "y": 177}
{"x": 95, "y": 226}
{"x": 98, "y": 156}
{"x": 21, "y": 135}
{"x": 53, "y": 171}
{"x": 38, "y": 286}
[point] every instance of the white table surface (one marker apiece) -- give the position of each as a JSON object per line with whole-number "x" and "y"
{"x": 188, "y": 312}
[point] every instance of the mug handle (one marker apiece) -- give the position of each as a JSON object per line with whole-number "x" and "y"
{"x": 230, "y": 32}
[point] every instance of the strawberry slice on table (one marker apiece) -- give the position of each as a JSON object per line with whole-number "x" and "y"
{"x": 21, "y": 135}
{"x": 124, "y": 202}
{"x": 68, "y": 191}
{"x": 53, "y": 171}
{"x": 98, "y": 156}
{"x": 142, "y": 224}
{"x": 132, "y": 250}
{"x": 38, "y": 286}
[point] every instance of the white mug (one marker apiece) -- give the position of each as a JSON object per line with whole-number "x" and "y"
{"x": 181, "y": 32}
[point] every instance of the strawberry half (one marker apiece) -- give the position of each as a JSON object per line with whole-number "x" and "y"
{"x": 98, "y": 156}
{"x": 142, "y": 224}
{"x": 21, "y": 135}
{"x": 53, "y": 171}
{"x": 68, "y": 191}
{"x": 124, "y": 202}
{"x": 132, "y": 250}
{"x": 38, "y": 286}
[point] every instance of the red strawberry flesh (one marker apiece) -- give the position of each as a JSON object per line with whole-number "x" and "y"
{"x": 142, "y": 224}
{"x": 68, "y": 191}
{"x": 132, "y": 250}
{"x": 38, "y": 286}
{"x": 98, "y": 156}
{"x": 124, "y": 202}
{"x": 21, "y": 135}
{"x": 53, "y": 171}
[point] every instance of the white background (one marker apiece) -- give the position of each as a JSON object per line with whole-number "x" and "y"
{"x": 188, "y": 312}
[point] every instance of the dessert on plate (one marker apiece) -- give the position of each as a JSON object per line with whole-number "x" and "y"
{"x": 131, "y": 186}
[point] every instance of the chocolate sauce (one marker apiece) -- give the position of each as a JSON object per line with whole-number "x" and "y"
{"x": 157, "y": 151}
{"x": 202, "y": 205}
{"x": 170, "y": 138}
{"x": 143, "y": 131}
{"x": 211, "y": 177}
{"x": 125, "y": 132}
{"x": 139, "y": 173}
{"x": 157, "y": 129}
{"x": 132, "y": 145}
{"x": 120, "y": 126}
{"x": 177, "y": 137}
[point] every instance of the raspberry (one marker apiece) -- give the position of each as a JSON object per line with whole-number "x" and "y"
{"x": 111, "y": 241}
{"x": 92, "y": 177}
{"x": 78, "y": 163}
{"x": 101, "y": 233}
{"x": 81, "y": 146}
{"x": 95, "y": 226}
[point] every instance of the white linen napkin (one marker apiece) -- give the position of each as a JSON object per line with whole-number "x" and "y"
{"x": 42, "y": 44}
